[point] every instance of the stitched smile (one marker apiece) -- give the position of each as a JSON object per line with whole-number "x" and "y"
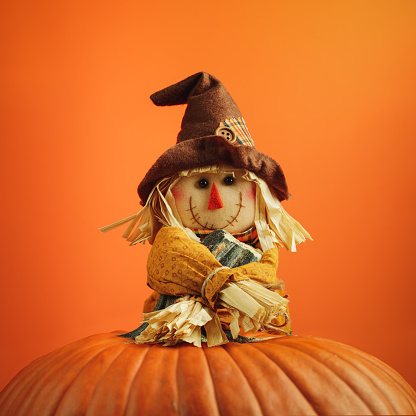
{"x": 196, "y": 218}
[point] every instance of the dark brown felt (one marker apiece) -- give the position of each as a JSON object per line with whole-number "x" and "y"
{"x": 211, "y": 150}
{"x": 209, "y": 104}
{"x": 208, "y": 101}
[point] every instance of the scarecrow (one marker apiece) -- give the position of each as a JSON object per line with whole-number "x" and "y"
{"x": 212, "y": 212}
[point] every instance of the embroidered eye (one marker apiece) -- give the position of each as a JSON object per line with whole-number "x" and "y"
{"x": 202, "y": 183}
{"x": 229, "y": 180}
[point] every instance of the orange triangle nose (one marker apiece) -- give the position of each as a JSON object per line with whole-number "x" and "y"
{"x": 215, "y": 199}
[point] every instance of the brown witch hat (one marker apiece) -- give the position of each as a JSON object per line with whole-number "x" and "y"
{"x": 212, "y": 132}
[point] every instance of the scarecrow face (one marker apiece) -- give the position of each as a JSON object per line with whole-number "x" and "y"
{"x": 214, "y": 201}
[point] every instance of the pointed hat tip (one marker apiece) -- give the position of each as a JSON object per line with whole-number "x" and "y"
{"x": 180, "y": 92}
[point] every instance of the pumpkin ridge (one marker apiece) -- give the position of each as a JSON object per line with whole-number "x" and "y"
{"x": 253, "y": 347}
{"x": 11, "y": 390}
{"x": 191, "y": 358}
{"x": 117, "y": 362}
{"x": 49, "y": 385}
{"x": 176, "y": 384}
{"x": 388, "y": 371}
{"x": 15, "y": 383}
{"x": 219, "y": 361}
{"x": 36, "y": 384}
{"x": 58, "y": 370}
{"x": 154, "y": 377}
{"x": 309, "y": 390}
{"x": 390, "y": 375}
{"x": 227, "y": 347}
{"x": 307, "y": 400}
{"x": 127, "y": 410}
{"x": 204, "y": 348}
{"x": 139, "y": 364}
{"x": 91, "y": 361}
{"x": 311, "y": 350}
{"x": 14, "y": 387}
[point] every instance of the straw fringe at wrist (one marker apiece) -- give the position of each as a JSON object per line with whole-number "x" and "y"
{"x": 252, "y": 306}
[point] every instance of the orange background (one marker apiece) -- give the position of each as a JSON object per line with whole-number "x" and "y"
{"x": 327, "y": 88}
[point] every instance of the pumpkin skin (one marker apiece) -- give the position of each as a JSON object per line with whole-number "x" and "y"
{"x": 105, "y": 375}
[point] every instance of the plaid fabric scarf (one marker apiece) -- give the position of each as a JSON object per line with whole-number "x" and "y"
{"x": 249, "y": 237}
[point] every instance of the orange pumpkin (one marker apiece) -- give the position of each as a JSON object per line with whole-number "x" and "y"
{"x": 105, "y": 375}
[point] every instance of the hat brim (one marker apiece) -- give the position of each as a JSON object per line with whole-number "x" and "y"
{"x": 212, "y": 150}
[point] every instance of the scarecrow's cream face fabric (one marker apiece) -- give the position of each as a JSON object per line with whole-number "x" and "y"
{"x": 212, "y": 201}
